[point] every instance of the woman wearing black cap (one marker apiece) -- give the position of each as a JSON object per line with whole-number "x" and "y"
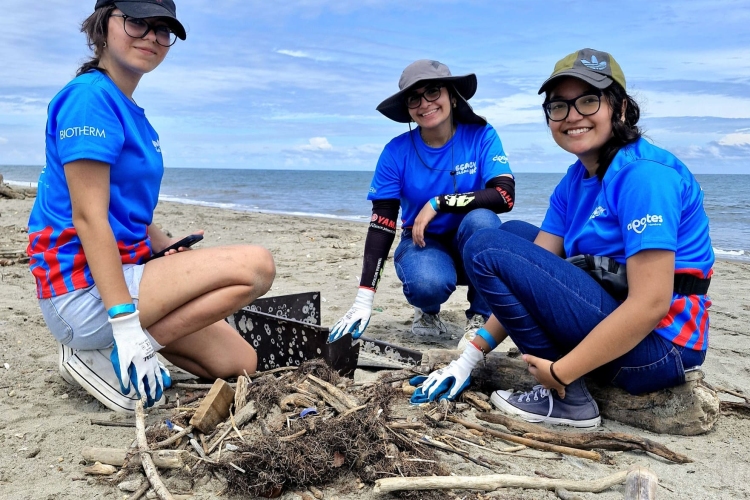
{"x": 91, "y": 231}
{"x": 629, "y": 306}
{"x": 450, "y": 177}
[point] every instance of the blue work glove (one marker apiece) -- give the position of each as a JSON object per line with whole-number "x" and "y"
{"x": 134, "y": 360}
{"x": 448, "y": 382}
{"x": 356, "y": 319}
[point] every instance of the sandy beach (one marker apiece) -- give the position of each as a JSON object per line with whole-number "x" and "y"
{"x": 44, "y": 423}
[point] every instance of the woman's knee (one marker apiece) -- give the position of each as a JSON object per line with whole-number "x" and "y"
{"x": 480, "y": 218}
{"x": 429, "y": 289}
{"x": 260, "y": 267}
{"x": 521, "y": 228}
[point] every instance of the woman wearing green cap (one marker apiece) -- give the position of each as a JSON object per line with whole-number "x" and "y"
{"x": 614, "y": 284}
{"x": 450, "y": 177}
{"x": 91, "y": 231}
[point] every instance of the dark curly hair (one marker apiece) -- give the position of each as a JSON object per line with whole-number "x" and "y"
{"x": 95, "y": 27}
{"x": 624, "y": 132}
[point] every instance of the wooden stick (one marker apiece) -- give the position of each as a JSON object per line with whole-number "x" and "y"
{"x": 591, "y": 455}
{"x": 733, "y": 393}
{"x": 426, "y": 440}
{"x": 292, "y": 437}
{"x": 148, "y": 465}
{"x": 111, "y": 423}
{"x": 640, "y": 484}
{"x": 140, "y": 491}
{"x": 269, "y": 372}
{"x": 163, "y": 459}
{"x": 333, "y": 395}
{"x": 163, "y": 444}
{"x": 493, "y": 482}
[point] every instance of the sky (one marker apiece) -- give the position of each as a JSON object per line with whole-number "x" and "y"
{"x": 294, "y": 84}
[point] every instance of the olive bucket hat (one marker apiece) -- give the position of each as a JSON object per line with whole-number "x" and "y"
{"x": 594, "y": 67}
{"x": 416, "y": 75}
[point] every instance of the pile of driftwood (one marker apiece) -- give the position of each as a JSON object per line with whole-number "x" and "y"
{"x": 300, "y": 429}
{"x": 15, "y": 193}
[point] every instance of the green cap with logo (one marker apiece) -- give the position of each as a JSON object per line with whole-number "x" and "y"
{"x": 592, "y": 66}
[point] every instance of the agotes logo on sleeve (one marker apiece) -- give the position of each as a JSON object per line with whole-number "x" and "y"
{"x": 67, "y": 133}
{"x": 640, "y": 225}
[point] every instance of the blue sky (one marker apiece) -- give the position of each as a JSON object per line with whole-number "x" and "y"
{"x": 294, "y": 84}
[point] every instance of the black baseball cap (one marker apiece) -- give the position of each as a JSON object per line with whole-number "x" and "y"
{"x": 149, "y": 8}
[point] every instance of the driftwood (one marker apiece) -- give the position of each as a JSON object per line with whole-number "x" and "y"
{"x": 688, "y": 410}
{"x": 617, "y": 441}
{"x": 640, "y": 484}
{"x": 100, "y": 469}
{"x": 493, "y": 482}
{"x": 163, "y": 444}
{"x": 240, "y": 392}
{"x": 335, "y": 397}
{"x": 163, "y": 459}
{"x": 152, "y": 474}
{"x": 9, "y": 192}
{"x": 591, "y": 455}
{"x": 214, "y": 408}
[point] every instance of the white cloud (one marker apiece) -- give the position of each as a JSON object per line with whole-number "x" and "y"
{"x": 316, "y": 144}
{"x": 514, "y": 109}
{"x": 3, "y": 140}
{"x": 664, "y": 104}
{"x": 292, "y": 53}
{"x": 735, "y": 139}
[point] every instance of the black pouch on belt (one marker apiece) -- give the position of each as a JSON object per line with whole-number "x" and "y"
{"x": 610, "y": 274}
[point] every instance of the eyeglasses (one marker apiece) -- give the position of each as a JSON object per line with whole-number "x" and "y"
{"x": 430, "y": 94}
{"x": 139, "y": 28}
{"x": 587, "y": 104}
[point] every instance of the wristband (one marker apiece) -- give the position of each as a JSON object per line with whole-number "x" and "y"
{"x": 552, "y": 372}
{"x": 434, "y": 203}
{"x": 487, "y": 337}
{"x": 121, "y": 309}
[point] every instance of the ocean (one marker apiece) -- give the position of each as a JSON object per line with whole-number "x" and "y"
{"x": 343, "y": 195}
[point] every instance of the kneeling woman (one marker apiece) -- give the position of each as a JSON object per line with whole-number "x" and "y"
{"x": 450, "y": 177}
{"x": 91, "y": 231}
{"x": 636, "y": 213}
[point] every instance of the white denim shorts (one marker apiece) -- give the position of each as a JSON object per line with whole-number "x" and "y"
{"x": 79, "y": 320}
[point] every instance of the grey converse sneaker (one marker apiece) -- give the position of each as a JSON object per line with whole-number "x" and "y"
{"x": 427, "y": 325}
{"x": 578, "y": 409}
{"x": 470, "y": 331}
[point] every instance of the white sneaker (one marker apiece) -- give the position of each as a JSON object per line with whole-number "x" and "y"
{"x": 470, "y": 331}
{"x": 63, "y": 354}
{"x": 93, "y": 371}
{"x": 427, "y": 325}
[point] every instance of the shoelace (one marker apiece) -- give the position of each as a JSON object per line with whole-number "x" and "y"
{"x": 475, "y": 323}
{"x": 537, "y": 391}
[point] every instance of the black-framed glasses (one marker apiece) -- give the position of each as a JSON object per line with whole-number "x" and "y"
{"x": 587, "y": 104}
{"x": 139, "y": 28}
{"x": 430, "y": 94}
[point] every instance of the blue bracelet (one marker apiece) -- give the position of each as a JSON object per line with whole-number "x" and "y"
{"x": 121, "y": 309}
{"x": 433, "y": 204}
{"x": 484, "y": 334}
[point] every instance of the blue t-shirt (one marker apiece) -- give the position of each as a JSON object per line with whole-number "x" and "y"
{"x": 473, "y": 156}
{"x": 91, "y": 119}
{"x": 648, "y": 199}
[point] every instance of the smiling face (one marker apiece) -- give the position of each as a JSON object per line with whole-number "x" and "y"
{"x": 125, "y": 54}
{"x": 431, "y": 115}
{"x": 581, "y": 135}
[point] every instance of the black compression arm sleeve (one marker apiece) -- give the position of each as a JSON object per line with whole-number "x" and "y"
{"x": 497, "y": 196}
{"x": 380, "y": 237}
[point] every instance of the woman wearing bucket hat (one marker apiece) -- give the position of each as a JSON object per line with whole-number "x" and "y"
{"x": 91, "y": 231}
{"x": 629, "y": 305}
{"x": 450, "y": 177}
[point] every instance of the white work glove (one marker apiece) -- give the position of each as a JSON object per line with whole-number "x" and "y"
{"x": 356, "y": 319}
{"x": 134, "y": 359}
{"x": 448, "y": 382}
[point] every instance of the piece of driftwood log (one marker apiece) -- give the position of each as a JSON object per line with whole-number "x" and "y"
{"x": 163, "y": 459}
{"x": 738, "y": 408}
{"x": 214, "y": 408}
{"x": 477, "y": 402}
{"x": 152, "y": 474}
{"x": 538, "y": 445}
{"x": 246, "y": 414}
{"x": 8, "y": 192}
{"x": 640, "y": 484}
{"x": 616, "y": 441}
{"x": 100, "y": 469}
{"x": 173, "y": 439}
{"x": 688, "y": 410}
{"x": 240, "y": 392}
{"x": 493, "y": 482}
{"x": 332, "y": 395}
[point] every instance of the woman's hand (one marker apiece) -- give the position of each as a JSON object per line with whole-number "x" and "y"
{"x": 420, "y": 224}
{"x": 175, "y": 240}
{"x": 540, "y": 369}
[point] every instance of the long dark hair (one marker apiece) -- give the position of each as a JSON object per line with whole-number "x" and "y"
{"x": 624, "y": 132}
{"x": 95, "y": 27}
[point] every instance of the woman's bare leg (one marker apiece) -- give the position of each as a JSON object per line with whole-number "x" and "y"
{"x": 185, "y": 297}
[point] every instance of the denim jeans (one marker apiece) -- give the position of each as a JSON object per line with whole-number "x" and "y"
{"x": 548, "y": 306}
{"x": 429, "y": 275}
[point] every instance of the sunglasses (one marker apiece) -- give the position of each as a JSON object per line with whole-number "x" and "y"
{"x": 587, "y": 104}
{"x": 139, "y": 28}
{"x": 430, "y": 94}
